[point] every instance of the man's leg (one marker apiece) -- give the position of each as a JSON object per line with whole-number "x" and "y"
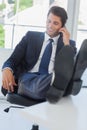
{"x": 75, "y": 84}
{"x": 64, "y": 64}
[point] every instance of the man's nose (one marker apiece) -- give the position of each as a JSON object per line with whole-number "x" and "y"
{"x": 50, "y": 24}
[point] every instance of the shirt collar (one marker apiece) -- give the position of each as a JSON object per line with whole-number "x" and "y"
{"x": 47, "y": 37}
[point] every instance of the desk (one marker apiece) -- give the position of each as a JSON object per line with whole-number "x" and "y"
{"x": 14, "y": 121}
{"x": 70, "y": 113}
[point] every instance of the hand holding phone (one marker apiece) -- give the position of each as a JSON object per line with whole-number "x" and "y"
{"x": 65, "y": 35}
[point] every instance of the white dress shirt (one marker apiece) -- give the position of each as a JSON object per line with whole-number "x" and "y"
{"x": 51, "y": 64}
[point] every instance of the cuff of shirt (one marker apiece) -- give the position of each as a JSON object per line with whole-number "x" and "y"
{"x": 8, "y": 68}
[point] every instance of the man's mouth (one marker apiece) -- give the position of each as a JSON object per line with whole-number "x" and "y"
{"x": 50, "y": 30}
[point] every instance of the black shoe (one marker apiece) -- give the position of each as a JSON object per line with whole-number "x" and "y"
{"x": 54, "y": 95}
{"x": 73, "y": 88}
{"x": 64, "y": 64}
{"x": 75, "y": 84}
{"x": 81, "y": 61}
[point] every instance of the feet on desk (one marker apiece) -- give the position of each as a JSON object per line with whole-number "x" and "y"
{"x": 81, "y": 61}
{"x": 75, "y": 84}
{"x": 54, "y": 95}
{"x": 72, "y": 83}
{"x": 64, "y": 64}
{"x": 80, "y": 66}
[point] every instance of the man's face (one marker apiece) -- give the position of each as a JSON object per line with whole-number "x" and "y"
{"x": 53, "y": 25}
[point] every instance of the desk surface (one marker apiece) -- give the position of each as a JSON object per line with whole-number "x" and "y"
{"x": 70, "y": 113}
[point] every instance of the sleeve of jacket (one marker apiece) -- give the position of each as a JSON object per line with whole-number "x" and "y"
{"x": 16, "y": 57}
{"x": 73, "y": 44}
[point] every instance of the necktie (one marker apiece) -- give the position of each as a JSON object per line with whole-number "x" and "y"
{"x": 43, "y": 68}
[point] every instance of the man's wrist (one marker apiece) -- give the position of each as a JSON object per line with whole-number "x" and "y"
{"x": 8, "y": 69}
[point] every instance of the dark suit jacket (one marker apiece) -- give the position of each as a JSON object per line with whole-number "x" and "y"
{"x": 26, "y": 53}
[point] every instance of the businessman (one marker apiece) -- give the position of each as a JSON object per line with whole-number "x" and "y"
{"x": 28, "y": 54}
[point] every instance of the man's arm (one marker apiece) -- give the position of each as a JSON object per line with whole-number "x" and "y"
{"x": 10, "y": 65}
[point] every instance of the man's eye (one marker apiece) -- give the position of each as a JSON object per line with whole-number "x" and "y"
{"x": 56, "y": 23}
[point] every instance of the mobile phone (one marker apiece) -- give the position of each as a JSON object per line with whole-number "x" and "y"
{"x": 60, "y": 33}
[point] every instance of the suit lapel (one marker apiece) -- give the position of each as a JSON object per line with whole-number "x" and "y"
{"x": 39, "y": 46}
{"x": 40, "y": 43}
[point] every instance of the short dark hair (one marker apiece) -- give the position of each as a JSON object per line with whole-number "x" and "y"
{"x": 60, "y": 12}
